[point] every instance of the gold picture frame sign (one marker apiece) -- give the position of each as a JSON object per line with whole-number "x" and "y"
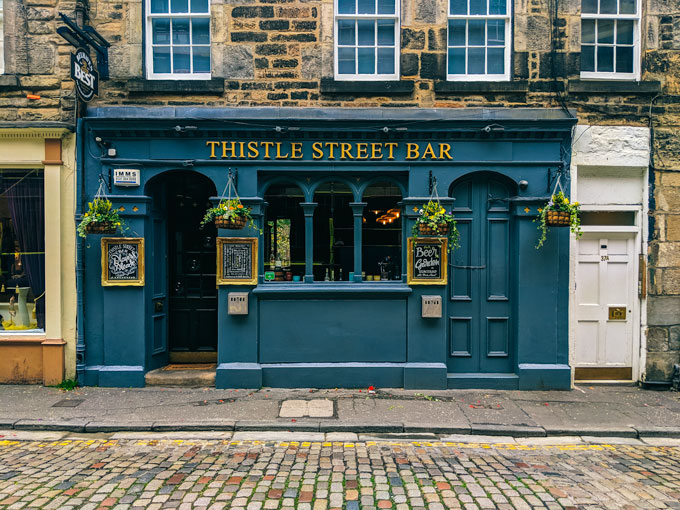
{"x": 427, "y": 261}
{"x": 122, "y": 261}
{"x": 237, "y": 260}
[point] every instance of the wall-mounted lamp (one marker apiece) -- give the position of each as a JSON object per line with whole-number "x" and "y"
{"x": 523, "y": 184}
{"x": 493, "y": 128}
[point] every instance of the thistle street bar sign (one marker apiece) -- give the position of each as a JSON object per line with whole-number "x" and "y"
{"x": 83, "y": 73}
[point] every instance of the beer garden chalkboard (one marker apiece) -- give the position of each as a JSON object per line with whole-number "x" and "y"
{"x": 122, "y": 261}
{"x": 427, "y": 261}
{"x": 237, "y": 261}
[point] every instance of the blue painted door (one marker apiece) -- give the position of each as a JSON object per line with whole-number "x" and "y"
{"x": 480, "y": 281}
{"x": 157, "y": 281}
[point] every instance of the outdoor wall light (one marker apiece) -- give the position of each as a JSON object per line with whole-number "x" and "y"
{"x": 495, "y": 128}
{"x": 523, "y": 184}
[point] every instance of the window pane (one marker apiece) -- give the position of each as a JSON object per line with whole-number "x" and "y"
{"x": 180, "y": 31}
{"x": 385, "y": 60}
{"x": 588, "y": 31}
{"x": 589, "y": 6}
{"x": 161, "y": 59}
{"x": 333, "y": 232}
{"x": 161, "y": 31}
{"x": 366, "y": 61}
{"x": 476, "y": 61}
{"x": 458, "y": 6}
{"x": 179, "y": 5}
{"x": 199, "y": 6}
{"x": 381, "y": 232}
{"x": 159, "y": 6}
{"x": 366, "y": 32}
{"x": 181, "y": 62}
{"x": 284, "y": 235}
{"x": 605, "y": 31}
{"x": 477, "y": 6}
{"x": 200, "y": 31}
{"x": 588, "y": 58}
{"x": 366, "y": 7}
{"x": 457, "y": 32}
{"x": 476, "y": 35}
{"x": 386, "y": 7}
{"x": 605, "y": 59}
{"x": 627, "y": 6}
{"x": 497, "y": 7}
{"x": 457, "y": 61}
{"x": 495, "y": 33}
{"x": 385, "y": 33}
{"x": 495, "y": 59}
{"x": 624, "y": 32}
{"x": 624, "y": 59}
{"x": 346, "y": 33}
{"x": 346, "y": 62}
{"x": 607, "y": 6}
{"x": 346, "y": 6}
{"x": 201, "y": 59}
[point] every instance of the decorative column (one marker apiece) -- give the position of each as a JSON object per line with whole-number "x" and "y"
{"x": 358, "y": 212}
{"x": 308, "y": 210}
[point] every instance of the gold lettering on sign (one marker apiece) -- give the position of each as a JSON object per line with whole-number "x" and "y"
{"x": 362, "y": 151}
{"x": 253, "y": 152}
{"x": 317, "y": 152}
{"x": 346, "y": 151}
{"x": 444, "y": 148}
{"x": 412, "y": 151}
{"x": 296, "y": 150}
{"x": 390, "y": 146}
{"x": 212, "y": 148}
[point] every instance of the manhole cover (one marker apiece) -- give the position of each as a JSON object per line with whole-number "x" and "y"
{"x": 69, "y": 402}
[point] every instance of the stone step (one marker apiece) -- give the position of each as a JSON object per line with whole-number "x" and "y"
{"x": 182, "y": 378}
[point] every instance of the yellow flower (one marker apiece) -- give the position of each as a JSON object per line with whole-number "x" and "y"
{"x": 540, "y": 210}
{"x": 415, "y": 209}
{"x": 576, "y": 203}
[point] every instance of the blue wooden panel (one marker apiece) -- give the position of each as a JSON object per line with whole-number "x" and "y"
{"x": 159, "y": 334}
{"x": 460, "y": 332}
{"x": 342, "y": 330}
{"x": 461, "y": 288}
{"x": 499, "y": 191}
{"x": 498, "y": 259}
{"x": 463, "y": 195}
{"x": 497, "y": 337}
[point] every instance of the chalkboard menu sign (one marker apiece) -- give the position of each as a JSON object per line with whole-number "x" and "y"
{"x": 122, "y": 261}
{"x": 237, "y": 261}
{"x": 426, "y": 261}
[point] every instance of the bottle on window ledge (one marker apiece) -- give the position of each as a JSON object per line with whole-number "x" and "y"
{"x": 340, "y": 275}
{"x": 327, "y": 278}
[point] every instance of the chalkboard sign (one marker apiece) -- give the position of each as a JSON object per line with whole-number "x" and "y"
{"x": 426, "y": 261}
{"x": 237, "y": 261}
{"x": 122, "y": 261}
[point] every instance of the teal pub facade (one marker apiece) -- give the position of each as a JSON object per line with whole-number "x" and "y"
{"x": 326, "y": 298}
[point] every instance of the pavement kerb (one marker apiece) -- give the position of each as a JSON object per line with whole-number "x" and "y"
{"x": 386, "y": 430}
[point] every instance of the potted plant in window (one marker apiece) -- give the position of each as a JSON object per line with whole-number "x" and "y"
{"x": 434, "y": 220}
{"x": 100, "y": 218}
{"x": 558, "y": 212}
{"x": 229, "y": 213}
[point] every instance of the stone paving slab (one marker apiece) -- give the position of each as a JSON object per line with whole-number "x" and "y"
{"x": 184, "y": 436}
{"x": 279, "y": 436}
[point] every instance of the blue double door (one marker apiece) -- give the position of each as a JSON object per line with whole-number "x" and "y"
{"x": 481, "y": 278}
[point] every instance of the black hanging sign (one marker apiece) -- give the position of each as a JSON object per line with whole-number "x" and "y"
{"x": 427, "y": 261}
{"x": 237, "y": 261}
{"x": 83, "y": 73}
{"x": 122, "y": 261}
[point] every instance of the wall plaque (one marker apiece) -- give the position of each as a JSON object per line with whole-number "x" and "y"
{"x": 122, "y": 261}
{"x": 237, "y": 261}
{"x": 427, "y": 261}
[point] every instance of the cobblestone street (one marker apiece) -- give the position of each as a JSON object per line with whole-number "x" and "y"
{"x": 213, "y": 474}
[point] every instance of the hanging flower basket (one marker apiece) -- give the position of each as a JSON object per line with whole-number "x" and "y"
{"x": 104, "y": 227}
{"x": 231, "y": 222}
{"x": 558, "y": 218}
{"x": 100, "y": 218}
{"x": 558, "y": 212}
{"x": 440, "y": 229}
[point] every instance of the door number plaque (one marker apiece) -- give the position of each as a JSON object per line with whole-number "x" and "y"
{"x": 617, "y": 313}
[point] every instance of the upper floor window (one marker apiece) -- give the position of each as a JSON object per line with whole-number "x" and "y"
{"x": 366, "y": 39}
{"x": 610, "y": 39}
{"x": 479, "y": 40}
{"x": 178, "y": 39}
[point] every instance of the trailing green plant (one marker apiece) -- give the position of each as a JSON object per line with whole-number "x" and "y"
{"x": 434, "y": 217}
{"x": 228, "y": 208}
{"x": 558, "y": 202}
{"x": 100, "y": 211}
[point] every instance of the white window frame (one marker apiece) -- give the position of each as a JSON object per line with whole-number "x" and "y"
{"x": 2, "y": 40}
{"x": 397, "y": 44}
{"x": 635, "y": 75}
{"x": 507, "y": 47}
{"x": 148, "y": 43}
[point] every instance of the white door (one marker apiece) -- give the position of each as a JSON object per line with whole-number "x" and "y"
{"x": 606, "y": 306}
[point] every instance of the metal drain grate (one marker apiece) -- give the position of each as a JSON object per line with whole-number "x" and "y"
{"x": 69, "y": 402}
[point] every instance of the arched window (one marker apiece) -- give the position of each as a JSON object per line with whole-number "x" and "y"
{"x": 333, "y": 232}
{"x": 382, "y": 232}
{"x": 284, "y": 233}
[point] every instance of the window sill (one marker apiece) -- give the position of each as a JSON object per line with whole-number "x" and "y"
{"x": 331, "y": 86}
{"x": 614, "y": 87}
{"x": 213, "y": 86}
{"x": 332, "y": 290}
{"x": 477, "y": 87}
{"x": 9, "y": 82}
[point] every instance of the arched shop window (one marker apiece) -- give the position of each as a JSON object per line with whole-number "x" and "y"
{"x": 333, "y": 232}
{"x": 382, "y": 232}
{"x": 284, "y": 233}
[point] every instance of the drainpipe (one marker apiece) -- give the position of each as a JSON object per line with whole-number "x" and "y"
{"x": 80, "y": 252}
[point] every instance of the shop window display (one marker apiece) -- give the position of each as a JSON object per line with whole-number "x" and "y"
{"x": 22, "y": 259}
{"x": 333, "y": 232}
{"x": 284, "y": 234}
{"x": 382, "y": 232}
